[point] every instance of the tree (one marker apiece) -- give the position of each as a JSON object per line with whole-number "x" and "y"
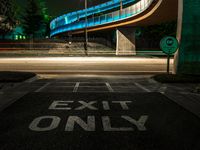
{"x": 44, "y": 10}
{"x": 7, "y": 16}
{"x": 33, "y": 20}
{"x": 160, "y": 30}
{"x": 150, "y": 36}
{"x": 45, "y": 16}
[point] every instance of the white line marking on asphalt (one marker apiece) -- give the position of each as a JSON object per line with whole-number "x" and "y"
{"x": 31, "y": 79}
{"x": 109, "y": 87}
{"x": 142, "y": 87}
{"x": 152, "y": 81}
{"x": 76, "y": 87}
{"x": 163, "y": 89}
{"x": 44, "y": 86}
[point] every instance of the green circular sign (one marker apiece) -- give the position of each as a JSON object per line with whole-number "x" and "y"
{"x": 169, "y": 45}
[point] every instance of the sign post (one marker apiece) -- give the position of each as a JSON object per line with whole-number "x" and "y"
{"x": 169, "y": 46}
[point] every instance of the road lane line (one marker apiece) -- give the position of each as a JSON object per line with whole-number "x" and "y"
{"x": 109, "y": 87}
{"x": 142, "y": 87}
{"x": 44, "y": 86}
{"x": 76, "y": 87}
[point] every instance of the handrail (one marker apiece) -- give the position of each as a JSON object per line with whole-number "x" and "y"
{"x": 127, "y": 12}
{"x": 76, "y": 15}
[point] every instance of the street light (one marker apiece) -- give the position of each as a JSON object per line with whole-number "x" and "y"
{"x": 86, "y": 33}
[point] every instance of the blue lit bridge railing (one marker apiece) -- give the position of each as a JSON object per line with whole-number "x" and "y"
{"x": 115, "y": 16}
{"x": 76, "y": 15}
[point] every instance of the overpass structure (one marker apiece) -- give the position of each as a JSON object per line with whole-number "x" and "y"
{"x": 122, "y": 16}
{"x": 135, "y": 13}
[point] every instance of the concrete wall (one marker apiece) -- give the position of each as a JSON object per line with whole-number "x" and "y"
{"x": 187, "y": 59}
{"x": 125, "y": 44}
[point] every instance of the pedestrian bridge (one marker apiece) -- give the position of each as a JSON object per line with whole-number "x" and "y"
{"x": 109, "y": 15}
{"x": 116, "y": 14}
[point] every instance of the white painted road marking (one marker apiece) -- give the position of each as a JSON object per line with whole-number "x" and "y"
{"x": 89, "y": 125}
{"x": 109, "y": 87}
{"x": 139, "y": 124}
{"x": 65, "y": 105}
{"x": 142, "y": 87}
{"x": 88, "y": 105}
{"x": 44, "y": 86}
{"x": 108, "y": 127}
{"x": 162, "y": 89}
{"x": 76, "y": 87}
{"x": 60, "y": 105}
{"x": 106, "y": 105}
{"x": 34, "y": 126}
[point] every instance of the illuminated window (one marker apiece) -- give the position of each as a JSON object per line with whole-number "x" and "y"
{"x": 16, "y": 37}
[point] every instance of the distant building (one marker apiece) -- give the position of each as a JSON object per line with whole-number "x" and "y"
{"x": 16, "y": 34}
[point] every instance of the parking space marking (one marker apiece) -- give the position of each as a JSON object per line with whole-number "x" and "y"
{"x": 162, "y": 89}
{"x": 142, "y": 87}
{"x": 109, "y": 87}
{"x": 43, "y": 87}
{"x": 76, "y": 87}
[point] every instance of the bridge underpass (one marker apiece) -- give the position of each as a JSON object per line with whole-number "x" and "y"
{"x": 187, "y": 58}
{"x": 125, "y": 21}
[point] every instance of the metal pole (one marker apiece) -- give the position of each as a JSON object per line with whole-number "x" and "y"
{"x": 121, "y": 7}
{"x": 168, "y": 63}
{"x": 86, "y": 33}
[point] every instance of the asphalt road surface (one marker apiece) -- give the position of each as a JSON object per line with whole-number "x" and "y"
{"x": 96, "y": 113}
{"x": 100, "y": 121}
{"x": 112, "y": 65}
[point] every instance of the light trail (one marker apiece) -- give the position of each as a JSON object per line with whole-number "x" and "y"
{"x": 86, "y": 65}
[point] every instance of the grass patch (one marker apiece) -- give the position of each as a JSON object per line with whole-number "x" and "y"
{"x": 9, "y": 76}
{"x": 180, "y": 78}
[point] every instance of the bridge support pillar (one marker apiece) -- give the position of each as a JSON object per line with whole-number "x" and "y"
{"x": 187, "y": 58}
{"x": 125, "y": 44}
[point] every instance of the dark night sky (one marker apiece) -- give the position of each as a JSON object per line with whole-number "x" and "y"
{"x": 59, "y": 7}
